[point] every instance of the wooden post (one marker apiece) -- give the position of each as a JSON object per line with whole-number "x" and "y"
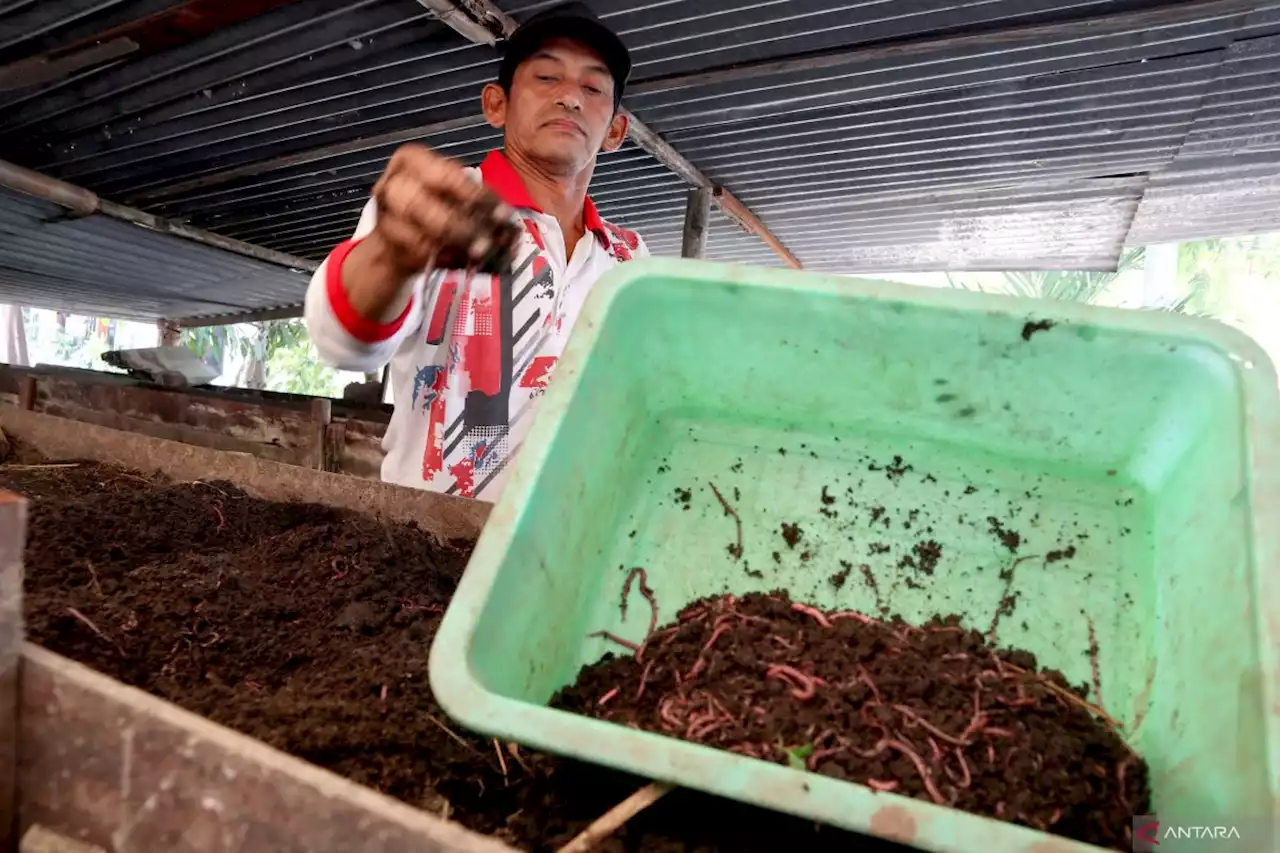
{"x": 170, "y": 333}
{"x": 322, "y": 412}
{"x": 27, "y": 393}
{"x": 13, "y": 515}
{"x": 697, "y": 212}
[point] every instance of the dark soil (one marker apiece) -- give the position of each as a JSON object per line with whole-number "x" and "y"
{"x": 1031, "y": 327}
{"x": 309, "y": 628}
{"x": 791, "y": 534}
{"x": 927, "y": 712}
{"x": 1010, "y": 539}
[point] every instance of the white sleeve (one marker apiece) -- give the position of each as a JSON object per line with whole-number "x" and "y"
{"x": 642, "y": 248}
{"x": 343, "y": 338}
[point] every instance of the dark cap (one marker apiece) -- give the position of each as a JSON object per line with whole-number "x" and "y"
{"x": 567, "y": 20}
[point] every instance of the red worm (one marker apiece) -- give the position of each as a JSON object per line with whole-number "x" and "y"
{"x": 881, "y": 746}
{"x": 222, "y": 522}
{"x": 616, "y": 639}
{"x": 702, "y": 729}
{"x": 791, "y": 647}
{"x": 806, "y": 685}
{"x": 959, "y": 656}
{"x": 992, "y": 731}
{"x": 910, "y": 714}
{"x": 991, "y": 753}
{"x": 715, "y": 635}
{"x": 853, "y": 614}
{"x": 724, "y": 712}
{"x": 976, "y": 723}
{"x": 865, "y": 678}
{"x": 667, "y": 713}
{"x": 644, "y": 678}
{"x": 1121, "y": 769}
{"x": 604, "y": 700}
{"x": 877, "y": 785}
{"x": 820, "y": 754}
{"x": 646, "y": 591}
{"x": 817, "y": 614}
{"x": 1055, "y": 817}
{"x": 698, "y": 665}
{"x": 937, "y": 751}
{"x": 920, "y": 766}
{"x": 964, "y": 765}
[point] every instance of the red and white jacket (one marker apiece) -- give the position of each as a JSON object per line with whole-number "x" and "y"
{"x": 472, "y": 353}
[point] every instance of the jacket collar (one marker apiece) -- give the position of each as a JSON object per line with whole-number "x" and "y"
{"x": 500, "y": 176}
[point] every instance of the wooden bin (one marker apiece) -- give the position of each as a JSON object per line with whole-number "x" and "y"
{"x": 110, "y": 765}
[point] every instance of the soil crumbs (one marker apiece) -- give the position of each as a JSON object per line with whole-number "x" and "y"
{"x": 927, "y": 712}
{"x": 308, "y": 628}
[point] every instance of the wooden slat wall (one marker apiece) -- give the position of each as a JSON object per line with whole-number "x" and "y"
{"x": 279, "y": 427}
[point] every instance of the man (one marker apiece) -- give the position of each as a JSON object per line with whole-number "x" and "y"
{"x": 472, "y": 353}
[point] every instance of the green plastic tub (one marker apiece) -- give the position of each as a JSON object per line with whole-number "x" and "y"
{"x": 1149, "y": 442}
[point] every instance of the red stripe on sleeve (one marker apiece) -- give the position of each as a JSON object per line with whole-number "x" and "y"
{"x": 359, "y": 327}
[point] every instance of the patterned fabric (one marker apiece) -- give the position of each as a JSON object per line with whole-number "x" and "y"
{"x": 472, "y": 354}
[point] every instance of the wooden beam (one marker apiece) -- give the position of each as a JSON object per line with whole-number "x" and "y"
{"x": 749, "y": 222}
{"x": 696, "y": 213}
{"x": 286, "y": 312}
{"x": 459, "y": 21}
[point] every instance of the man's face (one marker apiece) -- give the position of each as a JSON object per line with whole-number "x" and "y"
{"x": 560, "y": 108}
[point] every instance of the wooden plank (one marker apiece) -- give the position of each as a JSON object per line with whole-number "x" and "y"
{"x": 105, "y": 764}
{"x": 12, "y": 539}
{"x": 697, "y": 212}
{"x": 441, "y": 515}
{"x": 276, "y": 433}
{"x": 749, "y": 222}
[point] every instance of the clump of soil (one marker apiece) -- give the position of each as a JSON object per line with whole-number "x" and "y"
{"x": 924, "y": 557}
{"x": 1010, "y": 539}
{"x": 1031, "y": 327}
{"x": 791, "y": 534}
{"x": 930, "y": 712}
{"x": 308, "y": 628}
{"x": 840, "y": 578}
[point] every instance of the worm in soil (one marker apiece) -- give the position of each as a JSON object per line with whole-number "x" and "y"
{"x": 920, "y": 766}
{"x": 817, "y": 614}
{"x": 736, "y": 549}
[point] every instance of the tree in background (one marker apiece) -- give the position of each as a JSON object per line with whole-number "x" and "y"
{"x": 274, "y": 354}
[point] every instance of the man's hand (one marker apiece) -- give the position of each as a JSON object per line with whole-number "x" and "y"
{"x": 427, "y": 216}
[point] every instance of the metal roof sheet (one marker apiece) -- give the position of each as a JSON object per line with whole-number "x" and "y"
{"x": 88, "y": 264}
{"x": 867, "y": 134}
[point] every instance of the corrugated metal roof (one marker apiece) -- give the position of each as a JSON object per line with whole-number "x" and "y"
{"x": 1224, "y": 178}
{"x": 867, "y": 134}
{"x": 88, "y": 264}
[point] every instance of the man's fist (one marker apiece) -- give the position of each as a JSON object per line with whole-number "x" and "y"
{"x": 432, "y": 214}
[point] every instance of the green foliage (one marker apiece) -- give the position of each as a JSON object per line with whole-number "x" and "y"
{"x": 275, "y": 355}
{"x": 797, "y": 755}
{"x": 1069, "y": 285}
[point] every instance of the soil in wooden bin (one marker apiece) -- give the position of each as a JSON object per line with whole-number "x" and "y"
{"x": 931, "y": 712}
{"x": 309, "y": 628}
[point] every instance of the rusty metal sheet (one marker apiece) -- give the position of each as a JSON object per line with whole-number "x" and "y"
{"x": 110, "y": 765}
